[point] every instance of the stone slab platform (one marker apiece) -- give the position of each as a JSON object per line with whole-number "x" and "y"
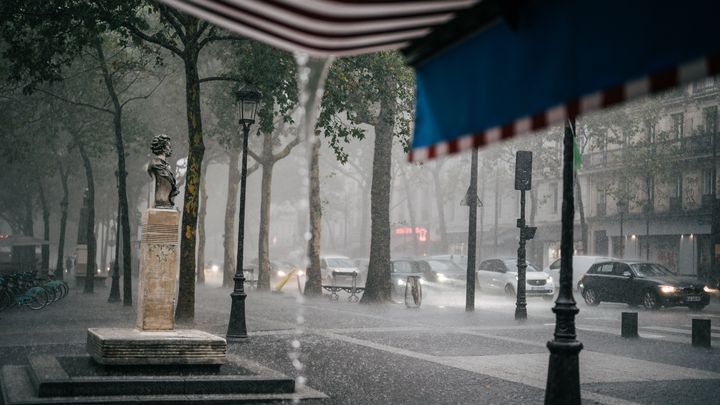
{"x": 114, "y": 346}
{"x": 79, "y": 380}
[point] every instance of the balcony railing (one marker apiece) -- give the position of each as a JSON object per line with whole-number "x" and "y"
{"x": 685, "y": 147}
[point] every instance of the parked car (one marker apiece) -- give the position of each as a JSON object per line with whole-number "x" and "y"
{"x": 328, "y": 264}
{"x": 581, "y": 264}
{"x": 640, "y": 283}
{"x": 399, "y": 272}
{"x": 442, "y": 271}
{"x": 500, "y": 275}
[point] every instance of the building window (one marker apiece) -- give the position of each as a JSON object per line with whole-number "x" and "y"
{"x": 554, "y": 196}
{"x": 710, "y": 115}
{"x": 707, "y": 181}
{"x": 678, "y": 121}
{"x": 704, "y": 84}
{"x": 650, "y": 131}
{"x": 676, "y": 191}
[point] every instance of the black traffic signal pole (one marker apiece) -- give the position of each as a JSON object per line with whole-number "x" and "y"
{"x": 563, "y": 381}
{"x": 523, "y": 182}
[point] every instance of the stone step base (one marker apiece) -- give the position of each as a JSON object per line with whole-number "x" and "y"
{"x": 79, "y": 380}
{"x": 114, "y": 346}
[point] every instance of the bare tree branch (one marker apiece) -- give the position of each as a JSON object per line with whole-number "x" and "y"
{"x": 221, "y": 78}
{"x": 146, "y": 96}
{"x": 78, "y": 103}
{"x": 155, "y": 40}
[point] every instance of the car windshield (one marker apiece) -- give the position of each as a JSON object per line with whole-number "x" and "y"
{"x": 650, "y": 270}
{"x": 340, "y": 263}
{"x": 511, "y": 264}
{"x": 445, "y": 266}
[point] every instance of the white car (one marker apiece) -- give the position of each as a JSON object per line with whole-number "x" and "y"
{"x": 581, "y": 264}
{"x": 343, "y": 264}
{"x": 501, "y": 275}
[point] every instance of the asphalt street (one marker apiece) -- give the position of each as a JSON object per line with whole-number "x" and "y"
{"x": 437, "y": 354}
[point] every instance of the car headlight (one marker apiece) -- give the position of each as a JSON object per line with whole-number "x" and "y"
{"x": 401, "y": 281}
{"x": 516, "y": 278}
{"x": 441, "y": 277}
{"x": 549, "y": 280}
{"x": 710, "y": 290}
{"x": 422, "y": 281}
{"x": 300, "y": 273}
{"x": 281, "y": 273}
{"x": 667, "y": 289}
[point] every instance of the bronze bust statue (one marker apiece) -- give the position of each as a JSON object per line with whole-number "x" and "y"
{"x": 165, "y": 188}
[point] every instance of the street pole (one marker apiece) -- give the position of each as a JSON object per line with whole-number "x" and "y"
{"x": 236, "y": 326}
{"x": 523, "y": 182}
{"x": 521, "y": 303}
{"x": 115, "y": 285}
{"x": 472, "y": 234}
{"x": 563, "y": 381}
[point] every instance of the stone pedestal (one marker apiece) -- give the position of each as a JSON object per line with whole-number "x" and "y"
{"x": 158, "y": 269}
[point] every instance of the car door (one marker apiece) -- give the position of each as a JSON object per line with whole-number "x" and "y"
{"x": 604, "y": 281}
{"x": 499, "y": 275}
{"x": 484, "y": 274}
{"x": 623, "y": 288}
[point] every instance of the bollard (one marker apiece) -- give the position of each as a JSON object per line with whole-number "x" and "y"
{"x": 629, "y": 326}
{"x": 701, "y": 332}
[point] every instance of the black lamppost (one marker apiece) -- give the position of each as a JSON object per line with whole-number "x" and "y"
{"x": 523, "y": 182}
{"x": 249, "y": 98}
{"x": 563, "y": 381}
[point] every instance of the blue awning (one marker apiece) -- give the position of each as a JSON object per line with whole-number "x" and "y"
{"x": 561, "y": 58}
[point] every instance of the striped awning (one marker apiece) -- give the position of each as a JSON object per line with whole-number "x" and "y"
{"x": 489, "y": 70}
{"x": 327, "y": 27}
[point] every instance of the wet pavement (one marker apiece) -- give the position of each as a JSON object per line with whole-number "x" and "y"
{"x": 436, "y": 354}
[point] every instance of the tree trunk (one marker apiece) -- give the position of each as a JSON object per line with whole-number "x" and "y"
{"x": 90, "y": 229}
{"x": 411, "y": 212}
{"x": 105, "y": 238}
{"x": 581, "y": 211}
{"x": 45, "y": 256}
{"x": 200, "y": 271}
{"x": 229, "y": 246}
{"x": 378, "y": 285}
{"x": 440, "y": 208}
{"x": 121, "y": 176}
{"x": 313, "y": 286}
{"x": 263, "y": 234}
{"x": 185, "y": 311}
{"x": 364, "y": 222}
{"x": 59, "y": 266}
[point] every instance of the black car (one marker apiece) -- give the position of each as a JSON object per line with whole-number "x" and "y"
{"x": 641, "y": 283}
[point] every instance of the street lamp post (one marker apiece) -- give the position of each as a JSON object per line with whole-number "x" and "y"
{"x": 523, "y": 182}
{"x": 249, "y": 98}
{"x": 563, "y": 380}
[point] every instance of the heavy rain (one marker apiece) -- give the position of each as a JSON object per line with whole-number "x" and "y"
{"x": 196, "y": 209}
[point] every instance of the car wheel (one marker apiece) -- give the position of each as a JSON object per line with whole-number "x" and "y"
{"x": 510, "y": 291}
{"x": 696, "y": 307}
{"x": 591, "y": 297}
{"x": 650, "y": 300}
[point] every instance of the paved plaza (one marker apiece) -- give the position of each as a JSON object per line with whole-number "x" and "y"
{"x": 436, "y": 354}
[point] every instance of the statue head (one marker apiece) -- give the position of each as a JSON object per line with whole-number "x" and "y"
{"x": 161, "y": 145}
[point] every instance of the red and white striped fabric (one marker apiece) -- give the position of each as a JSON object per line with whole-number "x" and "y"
{"x": 327, "y": 27}
{"x": 657, "y": 82}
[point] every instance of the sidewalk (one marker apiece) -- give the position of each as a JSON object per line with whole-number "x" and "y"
{"x": 389, "y": 354}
